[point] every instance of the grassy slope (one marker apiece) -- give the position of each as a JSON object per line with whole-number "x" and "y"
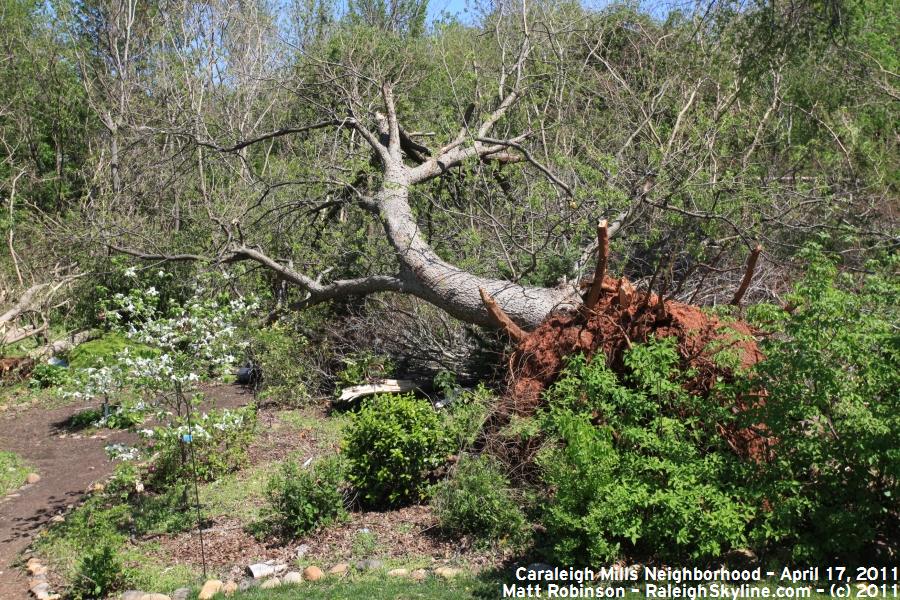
{"x": 12, "y": 472}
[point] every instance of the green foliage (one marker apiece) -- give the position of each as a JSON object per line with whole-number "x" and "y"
{"x": 12, "y": 472}
{"x": 638, "y": 464}
{"x": 303, "y": 498}
{"x": 48, "y": 376}
{"x": 105, "y": 350}
{"x": 99, "y": 573}
{"x": 120, "y": 416}
{"x": 362, "y": 368}
{"x": 478, "y": 501}
{"x": 831, "y": 373}
{"x": 285, "y": 359}
{"x": 215, "y": 444}
{"x": 465, "y": 417}
{"x": 392, "y": 444}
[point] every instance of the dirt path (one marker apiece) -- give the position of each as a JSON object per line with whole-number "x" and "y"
{"x": 68, "y": 463}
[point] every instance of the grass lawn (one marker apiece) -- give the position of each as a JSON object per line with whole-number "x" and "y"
{"x": 12, "y": 472}
{"x": 381, "y": 588}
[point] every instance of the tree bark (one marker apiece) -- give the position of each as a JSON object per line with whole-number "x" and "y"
{"x": 448, "y": 287}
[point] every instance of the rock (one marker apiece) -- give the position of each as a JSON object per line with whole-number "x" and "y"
{"x": 398, "y": 572}
{"x": 313, "y": 573}
{"x": 292, "y": 578}
{"x": 260, "y": 570}
{"x": 339, "y": 569}
{"x": 210, "y": 589}
{"x": 447, "y": 572}
{"x": 37, "y": 569}
{"x": 230, "y": 588}
{"x": 247, "y": 584}
{"x": 419, "y": 575}
{"x": 368, "y": 564}
{"x": 32, "y": 478}
{"x": 279, "y": 568}
{"x": 132, "y": 595}
{"x": 97, "y": 488}
{"x": 32, "y": 561}
{"x": 41, "y": 589}
{"x": 37, "y": 580}
{"x": 268, "y": 584}
{"x": 155, "y": 597}
{"x": 302, "y": 549}
{"x": 58, "y": 519}
{"x": 181, "y": 594}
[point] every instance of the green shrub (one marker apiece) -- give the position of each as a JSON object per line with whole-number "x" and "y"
{"x": 638, "y": 465}
{"x": 465, "y": 416}
{"x": 104, "y": 350}
{"x": 48, "y": 376}
{"x": 286, "y": 361}
{"x": 362, "y": 368}
{"x": 215, "y": 444}
{"x": 305, "y": 498}
{"x": 99, "y": 573}
{"x": 832, "y": 375}
{"x": 477, "y": 501}
{"x": 391, "y": 445}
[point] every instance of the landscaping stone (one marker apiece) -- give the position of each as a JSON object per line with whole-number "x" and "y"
{"x": 292, "y": 577}
{"x": 260, "y": 570}
{"x": 58, "y": 519}
{"x": 247, "y": 584}
{"x": 339, "y": 569}
{"x": 302, "y": 549}
{"x": 181, "y": 594}
{"x": 419, "y": 575}
{"x": 447, "y": 572}
{"x": 368, "y": 564}
{"x": 230, "y": 588}
{"x": 313, "y": 573}
{"x": 132, "y": 595}
{"x": 398, "y": 572}
{"x": 36, "y": 568}
{"x": 155, "y": 597}
{"x": 210, "y": 589}
{"x": 41, "y": 590}
{"x": 32, "y": 478}
{"x": 268, "y": 584}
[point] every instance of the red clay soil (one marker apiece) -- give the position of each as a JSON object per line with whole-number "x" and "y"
{"x": 621, "y": 319}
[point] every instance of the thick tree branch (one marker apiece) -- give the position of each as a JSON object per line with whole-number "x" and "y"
{"x": 593, "y": 295}
{"x": 748, "y": 276}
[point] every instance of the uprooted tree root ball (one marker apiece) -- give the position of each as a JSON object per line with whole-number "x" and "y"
{"x": 613, "y": 318}
{"x": 708, "y": 345}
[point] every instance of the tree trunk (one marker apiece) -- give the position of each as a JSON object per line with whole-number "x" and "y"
{"x": 448, "y": 287}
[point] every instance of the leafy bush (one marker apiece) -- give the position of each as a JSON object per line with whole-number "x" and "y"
{"x": 121, "y": 416}
{"x": 48, "y": 376}
{"x": 216, "y": 444}
{"x": 286, "y": 361}
{"x": 477, "y": 501}
{"x": 364, "y": 367}
{"x": 465, "y": 417}
{"x": 304, "y": 498}
{"x": 391, "y": 445}
{"x": 99, "y": 573}
{"x": 638, "y": 464}
{"x": 105, "y": 350}
{"x": 832, "y": 372}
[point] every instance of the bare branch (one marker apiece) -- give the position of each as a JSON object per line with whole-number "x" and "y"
{"x": 593, "y": 295}
{"x": 501, "y": 319}
{"x": 748, "y": 275}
